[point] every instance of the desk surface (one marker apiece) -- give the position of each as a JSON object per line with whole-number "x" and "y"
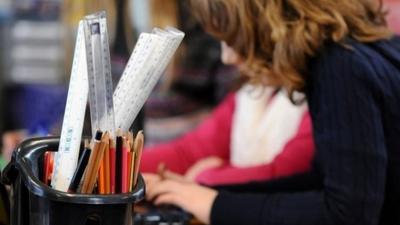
{"x": 146, "y": 213}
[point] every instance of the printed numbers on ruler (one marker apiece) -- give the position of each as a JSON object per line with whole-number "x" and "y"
{"x": 173, "y": 38}
{"x": 67, "y": 155}
{"x": 127, "y": 91}
{"x": 138, "y": 87}
{"x": 99, "y": 73}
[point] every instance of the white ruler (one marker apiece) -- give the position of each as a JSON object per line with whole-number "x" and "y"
{"x": 91, "y": 76}
{"x": 149, "y": 59}
{"x": 99, "y": 73}
{"x": 67, "y": 156}
{"x": 126, "y": 92}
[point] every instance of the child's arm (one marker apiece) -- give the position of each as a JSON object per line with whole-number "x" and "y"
{"x": 295, "y": 158}
{"x": 211, "y": 138}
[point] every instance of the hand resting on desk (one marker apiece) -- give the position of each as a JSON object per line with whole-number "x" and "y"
{"x": 181, "y": 191}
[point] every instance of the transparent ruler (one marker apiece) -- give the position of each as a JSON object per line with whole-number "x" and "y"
{"x": 90, "y": 77}
{"x": 152, "y": 53}
{"x": 67, "y": 156}
{"x": 99, "y": 73}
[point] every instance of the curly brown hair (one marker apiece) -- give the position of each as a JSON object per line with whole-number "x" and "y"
{"x": 277, "y": 37}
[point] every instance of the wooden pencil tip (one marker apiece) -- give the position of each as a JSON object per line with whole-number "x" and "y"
{"x": 87, "y": 143}
{"x": 140, "y": 135}
{"x": 106, "y": 136}
{"x": 119, "y": 132}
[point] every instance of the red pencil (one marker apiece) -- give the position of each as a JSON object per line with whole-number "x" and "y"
{"x": 46, "y": 167}
{"x": 50, "y": 166}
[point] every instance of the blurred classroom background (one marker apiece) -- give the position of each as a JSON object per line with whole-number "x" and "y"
{"x": 37, "y": 42}
{"x": 36, "y": 45}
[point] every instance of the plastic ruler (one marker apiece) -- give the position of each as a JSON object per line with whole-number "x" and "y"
{"x": 67, "y": 156}
{"x": 151, "y": 55}
{"x": 90, "y": 77}
{"x": 99, "y": 73}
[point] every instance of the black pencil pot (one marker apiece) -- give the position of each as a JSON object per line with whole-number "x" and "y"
{"x": 34, "y": 203}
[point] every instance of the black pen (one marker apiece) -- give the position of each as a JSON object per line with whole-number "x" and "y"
{"x": 118, "y": 164}
{"x": 83, "y": 161}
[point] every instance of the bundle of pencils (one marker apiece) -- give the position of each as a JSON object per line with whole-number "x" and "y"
{"x": 111, "y": 166}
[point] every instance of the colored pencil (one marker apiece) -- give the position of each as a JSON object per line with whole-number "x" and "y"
{"x": 83, "y": 161}
{"x": 139, "y": 143}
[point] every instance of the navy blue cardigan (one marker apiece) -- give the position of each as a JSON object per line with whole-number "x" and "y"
{"x": 354, "y": 101}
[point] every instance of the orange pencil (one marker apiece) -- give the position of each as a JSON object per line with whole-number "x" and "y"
{"x": 94, "y": 164}
{"x": 89, "y": 167}
{"x": 93, "y": 155}
{"x": 104, "y": 173}
{"x": 131, "y": 172}
{"x": 98, "y": 160}
{"x": 102, "y": 178}
{"x": 107, "y": 169}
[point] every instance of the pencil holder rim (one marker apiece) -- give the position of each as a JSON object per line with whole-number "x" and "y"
{"x": 24, "y": 159}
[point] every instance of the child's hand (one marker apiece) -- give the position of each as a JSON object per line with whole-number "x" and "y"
{"x": 152, "y": 180}
{"x": 193, "y": 198}
{"x": 201, "y": 166}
